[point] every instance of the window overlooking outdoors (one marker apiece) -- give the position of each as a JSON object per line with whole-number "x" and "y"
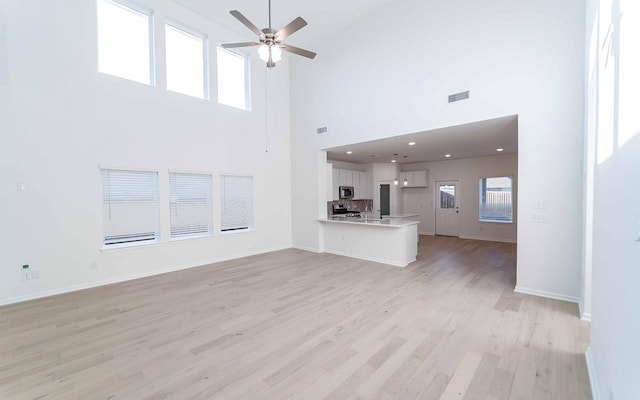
{"x": 496, "y": 200}
{"x": 187, "y": 71}
{"x": 236, "y": 202}
{"x": 232, "y": 79}
{"x": 190, "y": 205}
{"x": 124, "y": 46}
{"x": 130, "y": 207}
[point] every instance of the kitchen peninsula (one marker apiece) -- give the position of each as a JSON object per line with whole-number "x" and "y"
{"x": 391, "y": 241}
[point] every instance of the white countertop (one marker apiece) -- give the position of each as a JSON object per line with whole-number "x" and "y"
{"x": 400, "y": 216}
{"x": 389, "y": 223}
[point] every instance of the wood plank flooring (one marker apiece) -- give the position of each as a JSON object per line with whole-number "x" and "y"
{"x": 298, "y": 325}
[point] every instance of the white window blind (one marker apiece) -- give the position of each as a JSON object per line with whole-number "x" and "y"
{"x": 130, "y": 207}
{"x": 236, "y": 202}
{"x": 191, "y": 205}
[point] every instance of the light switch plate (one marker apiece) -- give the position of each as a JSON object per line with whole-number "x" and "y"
{"x": 21, "y": 187}
{"x": 540, "y": 205}
{"x": 539, "y": 218}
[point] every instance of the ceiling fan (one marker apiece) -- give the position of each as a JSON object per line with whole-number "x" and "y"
{"x": 270, "y": 40}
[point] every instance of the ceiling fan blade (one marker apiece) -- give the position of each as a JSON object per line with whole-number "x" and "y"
{"x": 246, "y": 22}
{"x": 244, "y": 44}
{"x": 290, "y": 29}
{"x": 298, "y": 51}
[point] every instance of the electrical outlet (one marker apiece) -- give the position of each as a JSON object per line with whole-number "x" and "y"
{"x": 94, "y": 265}
{"x": 26, "y": 275}
{"x": 21, "y": 187}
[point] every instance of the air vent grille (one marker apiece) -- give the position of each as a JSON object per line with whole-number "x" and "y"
{"x": 458, "y": 96}
{"x": 322, "y": 129}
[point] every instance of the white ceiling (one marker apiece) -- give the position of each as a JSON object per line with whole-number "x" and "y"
{"x": 324, "y": 18}
{"x": 327, "y": 18}
{"x": 478, "y": 139}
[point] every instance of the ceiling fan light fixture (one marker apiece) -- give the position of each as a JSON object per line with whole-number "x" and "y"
{"x": 265, "y": 50}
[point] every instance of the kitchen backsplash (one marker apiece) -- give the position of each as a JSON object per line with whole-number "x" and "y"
{"x": 352, "y": 205}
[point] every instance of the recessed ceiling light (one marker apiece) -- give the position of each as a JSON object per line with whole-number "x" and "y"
{"x": 412, "y": 143}
{"x": 349, "y": 152}
{"x": 447, "y": 155}
{"x": 393, "y": 160}
{"x": 500, "y": 149}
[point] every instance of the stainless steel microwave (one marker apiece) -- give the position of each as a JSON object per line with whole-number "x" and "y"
{"x": 346, "y": 192}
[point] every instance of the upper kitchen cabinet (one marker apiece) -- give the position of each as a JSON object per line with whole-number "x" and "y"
{"x": 414, "y": 179}
{"x": 346, "y": 177}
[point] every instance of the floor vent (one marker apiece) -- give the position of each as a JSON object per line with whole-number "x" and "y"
{"x": 321, "y": 130}
{"x": 458, "y": 96}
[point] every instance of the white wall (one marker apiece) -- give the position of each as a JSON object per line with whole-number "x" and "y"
{"x": 468, "y": 171}
{"x": 613, "y": 82}
{"x": 65, "y": 119}
{"x": 520, "y": 58}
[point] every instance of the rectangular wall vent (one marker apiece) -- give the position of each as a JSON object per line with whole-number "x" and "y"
{"x": 321, "y": 130}
{"x": 458, "y": 96}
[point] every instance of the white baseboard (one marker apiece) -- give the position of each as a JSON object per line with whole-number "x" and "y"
{"x": 305, "y": 248}
{"x": 549, "y": 295}
{"x": 489, "y": 239}
{"x": 585, "y": 316}
{"x": 366, "y": 258}
{"x": 89, "y": 285}
{"x": 427, "y": 233}
{"x": 595, "y": 391}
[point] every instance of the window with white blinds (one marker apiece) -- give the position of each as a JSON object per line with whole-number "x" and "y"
{"x": 236, "y": 202}
{"x": 191, "y": 205}
{"x": 130, "y": 207}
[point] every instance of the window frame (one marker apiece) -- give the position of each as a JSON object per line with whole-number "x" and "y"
{"x": 150, "y": 14}
{"x": 247, "y": 78}
{"x": 493, "y": 220}
{"x": 206, "y": 63}
{"x": 133, "y": 244}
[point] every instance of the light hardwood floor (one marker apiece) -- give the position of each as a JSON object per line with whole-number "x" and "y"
{"x": 294, "y": 324}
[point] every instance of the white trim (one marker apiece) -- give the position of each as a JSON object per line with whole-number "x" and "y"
{"x": 585, "y": 316}
{"x": 74, "y": 288}
{"x": 549, "y": 295}
{"x": 305, "y": 248}
{"x": 427, "y": 233}
{"x": 595, "y": 391}
{"x": 367, "y": 258}
{"x": 490, "y": 239}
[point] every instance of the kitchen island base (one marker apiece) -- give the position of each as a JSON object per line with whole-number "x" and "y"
{"x": 389, "y": 242}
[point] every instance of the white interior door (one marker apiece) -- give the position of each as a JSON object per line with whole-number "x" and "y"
{"x": 447, "y": 208}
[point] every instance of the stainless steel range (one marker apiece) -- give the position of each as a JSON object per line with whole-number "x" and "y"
{"x": 342, "y": 210}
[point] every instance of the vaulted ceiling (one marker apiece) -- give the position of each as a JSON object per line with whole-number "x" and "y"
{"x": 325, "y": 18}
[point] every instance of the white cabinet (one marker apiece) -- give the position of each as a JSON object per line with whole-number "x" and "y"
{"x": 357, "y": 179}
{"x": 335, "y": 184}
{"x": 414, "y": 179}
{"x": 364, "y": 186}
{"x": 346, "y": 177}
{"x": 356, "y": 184}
